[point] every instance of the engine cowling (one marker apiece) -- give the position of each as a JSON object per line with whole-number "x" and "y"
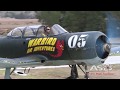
{"x": 92, "y": 47}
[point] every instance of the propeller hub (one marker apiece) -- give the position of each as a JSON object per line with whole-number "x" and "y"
{"x": 107, "y": 48}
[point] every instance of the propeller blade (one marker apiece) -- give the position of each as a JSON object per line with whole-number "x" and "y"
{"x": 113, "y": 26}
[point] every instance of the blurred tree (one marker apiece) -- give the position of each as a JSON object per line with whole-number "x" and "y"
{"x": 113, "y": 24}
{"x": 48, "y": 17}
{"x": 74, "y": 21}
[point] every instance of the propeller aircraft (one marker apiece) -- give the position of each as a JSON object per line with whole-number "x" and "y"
{"x": 27, "y": 47}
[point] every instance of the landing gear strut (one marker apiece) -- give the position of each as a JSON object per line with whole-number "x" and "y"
{"x": 74, "y": 72}
{"x": 86, "y": 72}
{"x": 8, "y": 73}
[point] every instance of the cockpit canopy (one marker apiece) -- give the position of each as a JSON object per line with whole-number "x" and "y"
{"x": 35, "y": 31}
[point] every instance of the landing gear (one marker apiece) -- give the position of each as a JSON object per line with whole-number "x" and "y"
{"x": 86, "y": 72}
{"x": 8, "y": 73}
{"x": 74, "y": 72}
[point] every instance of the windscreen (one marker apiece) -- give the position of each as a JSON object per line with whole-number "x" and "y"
{"x": 57, "y": 29}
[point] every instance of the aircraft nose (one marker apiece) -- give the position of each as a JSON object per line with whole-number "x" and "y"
{"x": 103, "y": 47}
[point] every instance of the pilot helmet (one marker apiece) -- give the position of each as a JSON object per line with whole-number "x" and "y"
{"x": 47, "y": 28}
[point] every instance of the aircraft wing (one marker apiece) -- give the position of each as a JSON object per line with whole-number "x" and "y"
{"x": 30, "y": 60}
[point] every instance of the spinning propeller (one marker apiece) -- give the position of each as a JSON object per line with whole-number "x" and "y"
{"x": 113, "y": 31}
{"x": 102, "y": 47}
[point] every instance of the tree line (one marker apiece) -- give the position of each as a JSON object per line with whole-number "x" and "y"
{"x": 77, "y": 21}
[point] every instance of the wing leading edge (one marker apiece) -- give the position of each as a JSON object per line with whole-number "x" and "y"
{"x": 30, "y": 60}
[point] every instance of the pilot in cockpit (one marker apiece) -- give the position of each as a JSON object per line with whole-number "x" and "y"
{"x": 47, "y": 31}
